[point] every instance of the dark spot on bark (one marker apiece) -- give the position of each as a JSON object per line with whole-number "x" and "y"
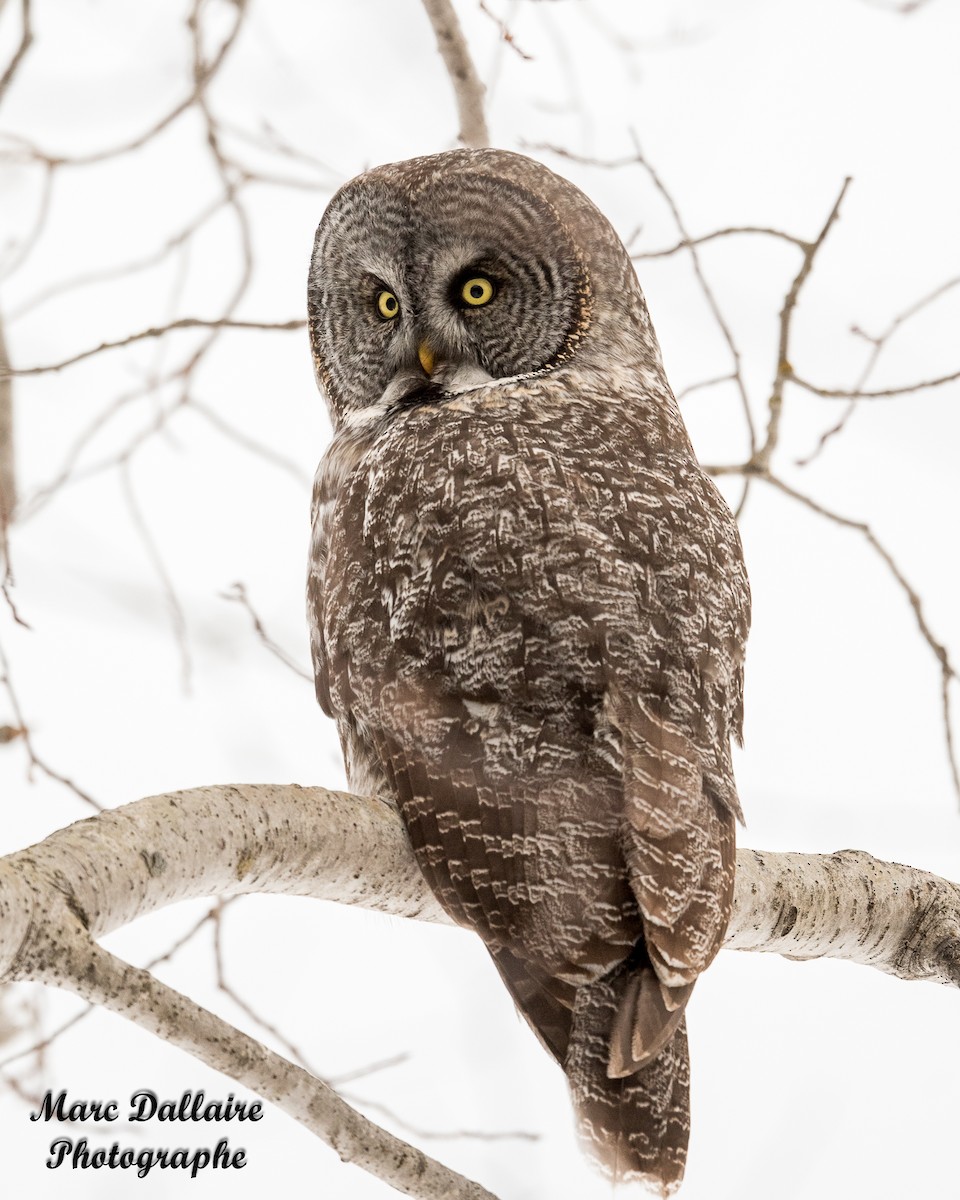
{"x": 788, "y": 921}
{"x": 156, "y": 863}
{"x": 76, "y": 908}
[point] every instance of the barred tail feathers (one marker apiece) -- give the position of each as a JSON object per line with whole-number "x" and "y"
{"x": 634, "y": 1126}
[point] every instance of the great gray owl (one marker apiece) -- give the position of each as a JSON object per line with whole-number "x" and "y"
{"x": 529, "y": 609}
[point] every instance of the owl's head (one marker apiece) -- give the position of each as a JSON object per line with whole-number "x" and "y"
{"x": 448, "y": 272}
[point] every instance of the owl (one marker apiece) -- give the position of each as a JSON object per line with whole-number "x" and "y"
{"x": 528, "y": 610}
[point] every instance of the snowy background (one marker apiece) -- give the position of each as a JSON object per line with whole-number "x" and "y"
{"x": 817, "y": 1079}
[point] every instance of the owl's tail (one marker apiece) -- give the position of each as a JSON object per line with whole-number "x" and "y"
{"x": 635, "y": 1126}
{"x": 633, "y": 1123}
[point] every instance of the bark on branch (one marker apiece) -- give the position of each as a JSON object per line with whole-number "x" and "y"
{"x": 57, "y": 897}
{"x": 464, "y": 79}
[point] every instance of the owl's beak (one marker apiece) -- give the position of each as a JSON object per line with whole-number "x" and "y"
{"x": 426, "y": 356}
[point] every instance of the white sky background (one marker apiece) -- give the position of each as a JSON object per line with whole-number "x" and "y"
{"x": 816, "y": 1079}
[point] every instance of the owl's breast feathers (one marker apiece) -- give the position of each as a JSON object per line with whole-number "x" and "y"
{"x": 529, "y": 619}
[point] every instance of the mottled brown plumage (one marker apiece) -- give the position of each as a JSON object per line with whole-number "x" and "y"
{"x": 529, "y": 610}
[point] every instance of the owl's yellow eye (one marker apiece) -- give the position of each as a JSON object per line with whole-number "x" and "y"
{"x": 387, "y": 305}
{"x": 477, "y": 291}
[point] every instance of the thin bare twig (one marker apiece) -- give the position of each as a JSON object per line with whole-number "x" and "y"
{"x": 880, "y": 394}
{"x": 727, "y": 231}
{"x": 270, "y": 139}
{"x": 505, "y": 33}
{"x": 157, "y": 331}
{"x": 440, "y": 1135}
{"x": 122, "y": 270}
{"x": 904, "y": 8}
{"x": 704, "y": 384}
{"x": 68, "y": 473}
{"x": 947, "y": 669}
{"x": 248, "y": 443}
{"x": 877, "y": 345}
{"x": 20, "y": 252}
{"x": 34, "y": 760}
{"x": 948, "y": 674}
{"x": 200, "y": 83}
{"x": 382, "y": 1064}
{"x": 238, "y": 594}
{"x": 708, "y": 294}
{"x": 293, "y": 1050}
{"x": 31, "y": 1099}
{"x": 26, "y": 40}
{"x": 45, "y": 1043}
{"x": 687, "y": 243}
{"x": 784, "y": 371}
{"x": 467, "y": 87}
{"x": 178, "y": 619}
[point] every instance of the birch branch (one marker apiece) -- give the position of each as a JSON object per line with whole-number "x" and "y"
{"x": 848, "y": 905}
{"x": 463, "y": 74}
{"x": 102, "y": 978}
{"x": 285, "y": 839}
{"x": 57, "y": 897}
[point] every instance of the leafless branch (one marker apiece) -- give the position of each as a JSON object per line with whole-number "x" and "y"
{"x": 33, "y": 758}
{"x": 68, "y": 471}
{"x": 38, "y": 1048}
{"x": 383, "y": 1064}
{"x": 440, "y": 1135}
{"x": 704, "y": 384}
{"x": 248, "y": 443}
{"x": 784, "y": 371}
{"x": 505, "y": 34}
{"x": 467, "y": 87}
{"x": 20, "y": 252}
{"x": 947, "y": 669}
{"x": 878, "y": 394}
{"x": 272, "y": 141}
{"x": 56, "y": 898}
{"x": 238, "y": 594}
{"x": 178, "y": 619}
{"x": 688, "y": 243}
{"x": 122, "y": 270}
{"x": 199, "y": 85}
{"x": 877, "y": 344}
{"x": 31, "y": 1099}
{"x": 73, "y": 961}
{"x": 158, "y": 331}
{"x": 223, "y": 984}
{"x": 728, "y": 231}
{"x": 708, "y": 294}
{"x": 26, "y": 40}
{"x": 904, "y": 8}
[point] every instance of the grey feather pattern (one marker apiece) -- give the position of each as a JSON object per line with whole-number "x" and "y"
{"x": 529, "y": 609}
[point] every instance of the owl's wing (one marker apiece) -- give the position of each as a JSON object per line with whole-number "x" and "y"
{"x": 678, "y": 843}
{"x": 674, "y": 700}
{"x": 320, "y": 512}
